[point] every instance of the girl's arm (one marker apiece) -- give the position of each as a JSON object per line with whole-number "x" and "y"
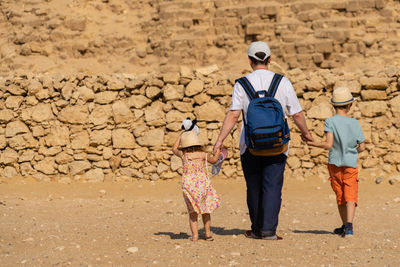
{"x": 327, "y": 144}
{"x": 213, "y": 159}
{"x": 361, "y": 147}
{"x": 175, "y": 147}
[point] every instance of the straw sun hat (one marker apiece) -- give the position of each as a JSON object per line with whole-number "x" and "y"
{"x": 342, "y": 96}
{"x": 189, "y": 138}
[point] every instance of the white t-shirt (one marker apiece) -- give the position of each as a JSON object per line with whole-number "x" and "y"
{"x": 260, "y": 80}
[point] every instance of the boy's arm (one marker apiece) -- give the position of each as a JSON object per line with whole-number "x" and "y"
{"x": 213, "y": 159}
{"x": 175, "y": 147}
{"x": 327, "y": 144}
{"x": 361, "y": 147}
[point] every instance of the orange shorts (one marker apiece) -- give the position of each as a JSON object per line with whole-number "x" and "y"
{"x": 344, "y": 181}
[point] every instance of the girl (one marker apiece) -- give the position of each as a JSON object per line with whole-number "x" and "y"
{"x": 198, "y": 192}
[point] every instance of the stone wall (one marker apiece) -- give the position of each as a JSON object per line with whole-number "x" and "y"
{"x": 122, "y": 127}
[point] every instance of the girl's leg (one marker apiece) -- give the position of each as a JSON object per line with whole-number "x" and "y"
{"x": 207, "y": 224}
{"x": 193, "y": 225}
{"x": 350, "y": 211}
{"x": 343, "y": 213}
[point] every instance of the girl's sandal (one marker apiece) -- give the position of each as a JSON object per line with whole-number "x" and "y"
{"x": 193, "y": 239}
{"x": 210, "y": 238}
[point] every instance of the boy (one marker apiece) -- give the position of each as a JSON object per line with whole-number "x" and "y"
{"x": 344, "y": 140}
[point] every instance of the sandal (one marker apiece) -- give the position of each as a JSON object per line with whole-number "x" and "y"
{"x": 193, "y": 239}
{"x": 210, "y": 238}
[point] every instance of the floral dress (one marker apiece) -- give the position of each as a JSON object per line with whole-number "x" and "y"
{"x": 198, "y": 192}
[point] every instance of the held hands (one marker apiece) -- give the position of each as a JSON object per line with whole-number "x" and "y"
{"x": 307, "y": 137}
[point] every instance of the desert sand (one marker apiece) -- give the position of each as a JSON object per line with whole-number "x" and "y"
{"x": 144, "y": 223}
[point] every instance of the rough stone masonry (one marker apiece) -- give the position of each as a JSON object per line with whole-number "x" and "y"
{"x": 121, "y": 127}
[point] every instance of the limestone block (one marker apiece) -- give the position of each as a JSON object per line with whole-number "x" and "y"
{"x": 183, "y": 106}
{"x": 122, "y": 138}
{"x": 373, "y": 95}
{"x": 25, "y": 168}
{"x": 107, "y": 152}
{"x": 393, "y": 158}
{"x": 106, "y": 97}
{"x": 6, "y": 115}
{"x": 210, "y": 111}
{"x": 395, "y": 104}
{"x": 152, "y": 138}
{"x": 16, "y": 127}
{"x": 85, "y": 94}
{"x": 80, "y": 140}
{"x": 255, "y": 28}
{"x": 375, "y": 83}
{"x": 294, "y": 162}
{"x": 34, "y": 87}
{"x": 79, "y": 167}
{"x": 194, "y": 87}
{"x": 155, "y": 113}
{"x": 75, "y": 23}
{"x": 58, "y": 136}
{"x": 100, "y": 114}
{"x": 141, "y": 153}
{"x": 353, "y": 85}
{"x": 171, "y": 77}
{"x": 78, "y": 114}
{"x": 370, "y": 162}
{"x": 3, "y": 141}
{"x": 9, "y": 172}
{"x": 100, "y": 137}
{"x": 115, "y": 84}
{"x": 175, "y": 116}
{"x": 152, "y": 91}
{"x": 176, "y": 163}
{"x": 26, "y": 155}
{"x": 46, "y": 166}
{"x": 202, "y": 98}
{"x": 14, "y": 102}
{"x": 320, "y": 111}
{"x": 207, "y": 70}
{"x": 224, "y": 90}
{"x": 63, "y": 158}
{"x": 137, "y": 101}
{"x": 41, "y": 112}
{"x": 173, "y": 92}
{"x": 22, "y": 141}
{"x": 8, "y": 156}
{"x": 94, "y": 175}
{"x": 121, "y": 112}
{"x": 373, "y": 108}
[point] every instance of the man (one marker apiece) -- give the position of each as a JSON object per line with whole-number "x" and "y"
{"x": 263, "y": 174}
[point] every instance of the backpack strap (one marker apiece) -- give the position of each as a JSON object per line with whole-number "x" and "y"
{"x": 274, "y": 85}
{"x": 248, "y": 88}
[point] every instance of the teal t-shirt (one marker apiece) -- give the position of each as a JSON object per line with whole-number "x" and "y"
{"x": 347, "y": 134}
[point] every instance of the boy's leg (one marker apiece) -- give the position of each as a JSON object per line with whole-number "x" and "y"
{"x": 350, "y": 211}
{"x": 207, "y": 224}
{"x": 193, "y": 225}
{"x": 343, "y": 213}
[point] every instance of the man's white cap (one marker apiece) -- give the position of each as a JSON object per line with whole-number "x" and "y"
{"x": 259, "y": 46}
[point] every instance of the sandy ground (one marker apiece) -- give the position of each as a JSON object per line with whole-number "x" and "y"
{"x": 85, "y": 224}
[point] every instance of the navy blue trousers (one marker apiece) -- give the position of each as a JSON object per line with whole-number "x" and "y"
{"x": 264, "y": 181}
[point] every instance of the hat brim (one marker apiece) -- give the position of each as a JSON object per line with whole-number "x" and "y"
{"x": 343, "y": 103}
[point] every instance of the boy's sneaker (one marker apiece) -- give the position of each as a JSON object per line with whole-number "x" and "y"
{"x": 347, "y": 233}
{"x": 339, "y": 231}
{"x": 271, "y": 237}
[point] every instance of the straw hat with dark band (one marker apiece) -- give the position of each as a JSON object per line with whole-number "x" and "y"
{"x": 342, "y": 96}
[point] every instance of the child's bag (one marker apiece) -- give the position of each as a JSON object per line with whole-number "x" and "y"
{"x": 266, "y": 128}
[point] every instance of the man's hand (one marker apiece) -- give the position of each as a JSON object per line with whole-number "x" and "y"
{"x": 307, "y": 137}
{"x": 217, "y": 147}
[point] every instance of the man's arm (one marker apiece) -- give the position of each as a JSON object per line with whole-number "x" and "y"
{"x": 230, "y": 120}
{"x": 300, "y": 122}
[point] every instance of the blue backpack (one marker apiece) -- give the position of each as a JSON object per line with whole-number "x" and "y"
{"x": 266, "y": 128}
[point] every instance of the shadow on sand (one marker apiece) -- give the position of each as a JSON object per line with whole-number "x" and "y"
{"x": 316, "y": 232}
{"x": 215, "y": 230}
